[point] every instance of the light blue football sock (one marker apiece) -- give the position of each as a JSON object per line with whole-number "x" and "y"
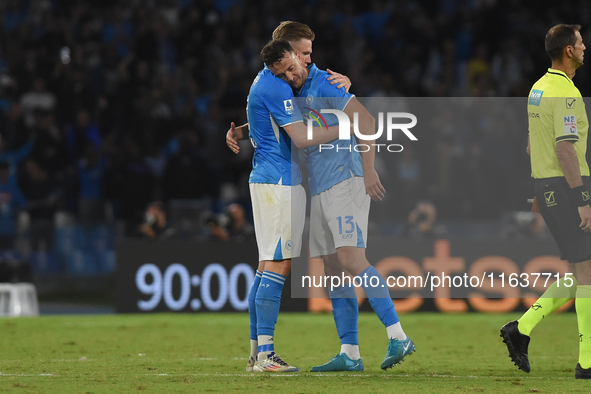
{"x": 252, "y": 312}
{"x": 379, "y": 297}
{"x": 268, "y": 301}
{"x": 345, "y": 310}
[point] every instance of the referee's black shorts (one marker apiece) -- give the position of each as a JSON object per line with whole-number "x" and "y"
{"x": 561, "y": 214}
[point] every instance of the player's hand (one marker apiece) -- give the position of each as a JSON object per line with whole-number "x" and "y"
{"x": 231, "y": 139}
{"x": 342, "y": 80}
{"x": 585, "y": 214}
{"x": 373, "y": 186}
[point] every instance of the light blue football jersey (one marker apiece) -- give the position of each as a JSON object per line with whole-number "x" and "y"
{"x": 270, "y": 107}
{"x": 332, "y": 166}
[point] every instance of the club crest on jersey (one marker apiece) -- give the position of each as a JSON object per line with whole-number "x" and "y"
{"x": 309, "y": 99}
{"x": 288, "y": 106}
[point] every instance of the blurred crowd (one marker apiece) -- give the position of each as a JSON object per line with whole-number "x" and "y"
{"x": 107, "y": 106}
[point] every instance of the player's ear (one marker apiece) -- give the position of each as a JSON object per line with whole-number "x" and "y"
{"x": 300, "y": 57}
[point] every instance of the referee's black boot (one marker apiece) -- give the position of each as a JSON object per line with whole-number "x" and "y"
{"x": 517, "y": 344}
{"x": 582, "y": 373}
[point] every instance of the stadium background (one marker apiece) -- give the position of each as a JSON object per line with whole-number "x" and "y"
{"x": 108, "y": 106}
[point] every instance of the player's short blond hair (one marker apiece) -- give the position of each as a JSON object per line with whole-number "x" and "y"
{"x": 293, "y": 31}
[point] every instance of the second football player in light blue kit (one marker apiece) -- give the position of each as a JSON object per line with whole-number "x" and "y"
{"x": 278, "y": 204}
{"x": 341, "y": 184}
{"x": 300, "y": 36}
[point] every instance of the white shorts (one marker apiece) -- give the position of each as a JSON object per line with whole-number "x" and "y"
{"x": 279, "y": 213}
{"x": 339, "y": 217}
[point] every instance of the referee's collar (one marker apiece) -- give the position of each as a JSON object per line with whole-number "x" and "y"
{"x": 558, "y": 72}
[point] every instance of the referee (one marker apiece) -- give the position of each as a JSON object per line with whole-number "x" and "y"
{"x": 557, "y": 145}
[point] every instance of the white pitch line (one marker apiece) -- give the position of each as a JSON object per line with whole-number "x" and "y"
{"x": 46, "y": 360}
{"x": 486, "y": 377}
{"x": 388, "y": 376}
{"x": 26, "y": 374}
{"x": 331, "y": 375}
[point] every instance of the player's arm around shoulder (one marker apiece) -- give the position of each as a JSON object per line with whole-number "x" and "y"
{"x": 298, "y": 132}
{"x": 340, "y": 80}
{"x": 278, "y": 98}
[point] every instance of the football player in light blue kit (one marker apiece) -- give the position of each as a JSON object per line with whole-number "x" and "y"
{"x": 278, "y": 202}
{"x": 274, "y": 180}
{"x": 300, "y": 36}
{"x": 341, "y": 184}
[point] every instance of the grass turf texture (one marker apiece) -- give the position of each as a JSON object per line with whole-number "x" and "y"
{"x": 207, "y": 353}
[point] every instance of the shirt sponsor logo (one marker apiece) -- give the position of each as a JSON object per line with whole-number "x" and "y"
{"x": 570, "y": 124}
{"x": 535, "y": 97}
{"x": 288, "y": 106}
{"x": 570, "y": 102}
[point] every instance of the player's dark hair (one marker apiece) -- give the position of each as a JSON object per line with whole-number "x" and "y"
{"x": 274, "y": 51}
{"x": 558, "y": 38}
{"x": 293, "y": 31}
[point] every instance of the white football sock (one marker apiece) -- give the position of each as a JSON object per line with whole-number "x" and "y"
{"x": 264, "y": 340}
{"x": 254, "y": 344}
{"x": 352, "y": 351}
{"x": 395, "y": 331}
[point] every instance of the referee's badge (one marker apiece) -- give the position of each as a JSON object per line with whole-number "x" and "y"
{"x": 550, "y": 200}
{"x": 535, "y": 97}
{"x": 570, "y": 124}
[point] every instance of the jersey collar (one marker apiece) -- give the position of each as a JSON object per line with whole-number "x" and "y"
{"x": 558, "y": 72}
{"x": 312, "y": 70}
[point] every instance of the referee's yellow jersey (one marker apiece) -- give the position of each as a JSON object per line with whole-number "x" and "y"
{"x": 556, "y": 112}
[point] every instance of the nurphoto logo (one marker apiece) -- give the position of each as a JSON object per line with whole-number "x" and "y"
{"x": 345, "y": 129}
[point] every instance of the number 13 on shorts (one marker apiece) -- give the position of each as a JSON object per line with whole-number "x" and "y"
{"x": 349, "y": 224}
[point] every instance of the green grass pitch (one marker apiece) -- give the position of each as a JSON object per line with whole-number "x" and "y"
{"x": 188, "y": 353}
